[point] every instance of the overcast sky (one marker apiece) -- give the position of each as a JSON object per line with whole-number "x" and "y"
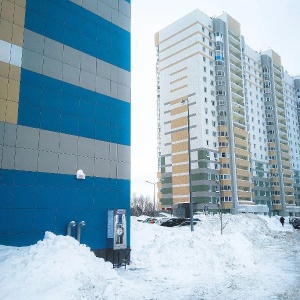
{"x": 264, "y": 24}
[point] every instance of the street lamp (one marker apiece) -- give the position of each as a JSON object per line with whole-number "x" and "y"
{"x": 153, "y": 183}
{"x": 190, "y": 165}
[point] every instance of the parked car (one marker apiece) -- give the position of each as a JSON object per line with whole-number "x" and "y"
{"x": 150, "y": 220}
{"x": 178, "y": 222}
{"x": 296, "y": 223}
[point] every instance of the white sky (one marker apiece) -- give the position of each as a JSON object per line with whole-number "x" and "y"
{"x": 264, "y": 24}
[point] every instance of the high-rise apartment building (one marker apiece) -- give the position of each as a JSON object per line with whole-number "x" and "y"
{"x": 64, "y": 107}
{"x": 235, "y": 111}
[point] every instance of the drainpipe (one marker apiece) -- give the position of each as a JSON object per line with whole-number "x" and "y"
{"x": 82, "y": 223}
{"x": 71, "y": 224}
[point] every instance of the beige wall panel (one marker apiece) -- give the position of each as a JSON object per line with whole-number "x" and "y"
{"x": 242, "y": 162}
{"x": 275, "y": 197}
{"x": 283, "y": 146}
{"x": 223, "y": 139}
{"x": 179, "y": 135}
{"x": 243, "y": 183}
{"x": 11, "y": 112}
{"x": 240, "y": 142}
{"x": 274, "y": 179}
{"x": 287, "y": 172}
{"x": 226, "y": 194}
{"x": 290, "y": 198}
{"x": 2, "y": 109}
{"x": 181, "y": 199}
{"x": 180, "y": 158}
{"x": 156, "y": 39}
{"x": 234, "y": 25}
{"x": 222, "y": 128}
{"x": 287, "y": 180}
{"x": 3, "y": 87}
{"x": 224, "y": 171}
{"x": 180, "y": 147}
{"x": 181, "y": 190}
{"x": 242, "y": 152}
{"x": 276, "y": 58}
{"x": 19, "y": 15}
{"x": 178, "y": 71}
{"x": 277, "y": 207}
{"x": 223, "y": 149}
{"x": 179, "y": 88}
{"x": 179, "y": 110}
{"x": 179, "y": 79}
{"x": 180, "y": 122}
{"x": 244, "y": 194}
{"x": 13, "y": 90}
{"x": 6, "y": 29}
{"x": 275, "y": 188}
{"x": 21, "y": 2}
{"x": 17, "y": 35}
{"x": 4, "y": 69}
{"x": 226, "y": 205}
{"x": 240, "y": 132}
{"x": 178, "y": 100}
{"x": 184, "y": 179}
{"x": 289, "y": 189}
{"x": 224, "y": 160}
{"x": 181, "y": 60}
{"x": 180, "y": 169}
{"x": 243, "y": 173}
{"x": 14, "y": 72}
{"x": 225, "y": 182}
{"x": 7, "y": 11}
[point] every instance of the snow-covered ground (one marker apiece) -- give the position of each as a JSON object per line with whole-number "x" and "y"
{"x": 255, "y": 258}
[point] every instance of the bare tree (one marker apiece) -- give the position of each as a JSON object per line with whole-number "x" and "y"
{"x": 141, "y": 205}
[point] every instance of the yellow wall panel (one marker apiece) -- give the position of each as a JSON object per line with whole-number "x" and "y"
{"x": 11, "y": 112}
{"x": 2, "y": 109}
{"x": 181, "y": 199}
{"x": 178, "y": 100}
{"x": 6, "y": 30}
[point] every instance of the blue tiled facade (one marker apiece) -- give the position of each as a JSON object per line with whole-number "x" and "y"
{"x": 73, "y": 113}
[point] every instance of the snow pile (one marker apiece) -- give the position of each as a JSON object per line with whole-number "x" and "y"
{"x": 250, "y": 260}
{"x": 254, "y": 259}
{"x": 58, "y": 268}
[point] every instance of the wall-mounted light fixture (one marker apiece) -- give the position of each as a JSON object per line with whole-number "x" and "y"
{"x": 80, "y": 174}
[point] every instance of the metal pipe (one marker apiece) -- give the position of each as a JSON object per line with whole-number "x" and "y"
{"x": 69, "y": 230}
{"x": 82, "y": 223}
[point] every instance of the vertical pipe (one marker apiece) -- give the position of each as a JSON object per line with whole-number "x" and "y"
{"x": 69, "y": 229}
{"x": 82, "y": 223}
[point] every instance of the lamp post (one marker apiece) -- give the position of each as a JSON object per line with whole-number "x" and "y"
{"x": 153, "y": 183}
{"x": 190, "y": 165}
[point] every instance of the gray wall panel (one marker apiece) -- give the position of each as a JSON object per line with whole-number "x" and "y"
{"x": 8, "y": 157}
{"x": 68, "y": 144}
{"x": 32, "y": 61}
{"x": 102, "y": 149}
{"x": 26, "y": 159}
{"x": 28, "y": 137}
{"x": 102, "y": 168}
{"x": 10, "y": 134}
{"x": 53, "y": 49}
{"x": 67, "y": 164}
{"x": 123, "y": 153}
{"x": 123, "y": 170}
{"x": 87, "y": 80}
{"x": 48, "y": 162}
{"x": 86, "y": 164}
{"x": 33, "y": 41}
{"x": 1, "y": 132}
{"x": 86, "y": 147}
{"x": 113, "y": 169}
{"x": 71, "y": 74}
{"x": 1, "y": 151}
{"x": 71, "y": 56}
{"x": 52, "y": 68}
{"x": 49, "y": 141}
